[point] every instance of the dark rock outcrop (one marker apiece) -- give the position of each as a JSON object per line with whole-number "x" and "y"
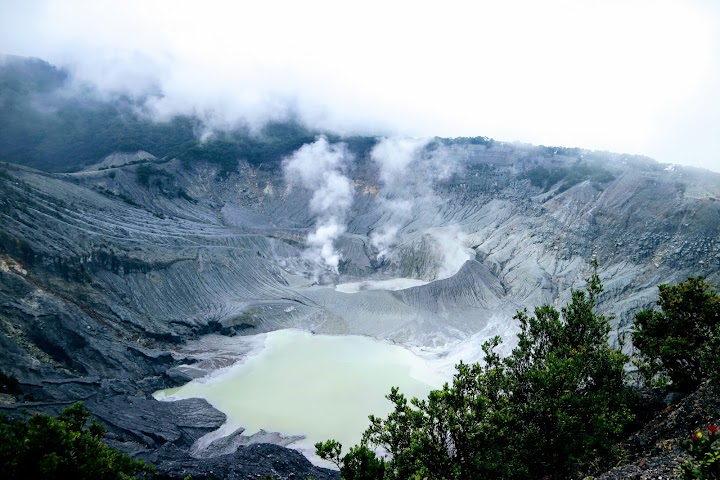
{"x": 655, "y": 450}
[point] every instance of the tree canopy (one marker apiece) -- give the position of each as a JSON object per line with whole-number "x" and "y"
{"x": 679, "y": 342}
{"x": 61, "y": 447}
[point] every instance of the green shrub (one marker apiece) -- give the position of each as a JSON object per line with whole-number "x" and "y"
{"x": 359, "y": 464}
{"x": 60, "y": 447}
{"x": 680, "y": 341}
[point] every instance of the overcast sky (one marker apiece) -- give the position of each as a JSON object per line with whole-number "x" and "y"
{"x": 635, "y": 76}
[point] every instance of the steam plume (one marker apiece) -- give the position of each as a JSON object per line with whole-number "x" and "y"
{"x": 393, "y": 157}
{"x": 319, "y": 167}
{"x": 451, "y": 247}
{"x": 410, "y": 173}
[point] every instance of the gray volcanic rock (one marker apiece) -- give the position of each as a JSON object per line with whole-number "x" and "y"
{"x": 656, "y": 450}
{"x": 472, "y": 286}
{"x": 251, "y": 462}
{"x": 154, "y": 423}
{"x": 129, "y": 261}
{"x": 168, "y": 268}
{"x": 106, "y": 274}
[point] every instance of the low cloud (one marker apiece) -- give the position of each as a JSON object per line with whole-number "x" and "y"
{"x": 250, "y": 62}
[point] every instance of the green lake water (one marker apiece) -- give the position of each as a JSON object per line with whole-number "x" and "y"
{"x": 318, "y": 386}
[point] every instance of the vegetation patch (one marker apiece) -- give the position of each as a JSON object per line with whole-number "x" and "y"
{"x": 553, "y": 409}
{"x": 705, "y": 452}
{"x": 274, "y": 142}
{"x": 569, "y": 176}
{"x": 72, "y": 131}
{"x": 145, "y": 172}
{"x": 485, "y": 141}
{"x": 679, "y": 343}
{"x": 181, "y": 193}
{"x": 109, "y": 193}
{"x": 4, "y": 172}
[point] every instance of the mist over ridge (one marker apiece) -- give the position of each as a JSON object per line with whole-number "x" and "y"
{"x": 517, "y": 71}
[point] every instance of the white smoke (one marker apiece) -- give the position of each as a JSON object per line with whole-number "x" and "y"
{"x": 319, "y": 167}
{"x": 393, "y": 157}
{"x": 321, "y": 242}
{"x": 410, "y": 172}
{"x": 384, "y": 239}
{"x": 451, "y": 245}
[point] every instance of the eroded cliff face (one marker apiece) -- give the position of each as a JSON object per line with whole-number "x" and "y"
{"x": 107, "y": 272}
{"x": 148, "y": 267}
